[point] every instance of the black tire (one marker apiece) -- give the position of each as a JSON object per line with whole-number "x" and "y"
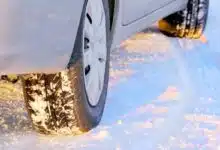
{"x": 189, "y": 23}
{"x": 58, "y": 103}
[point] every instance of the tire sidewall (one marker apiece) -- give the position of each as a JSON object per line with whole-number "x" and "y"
{"x": 90, "y": 116}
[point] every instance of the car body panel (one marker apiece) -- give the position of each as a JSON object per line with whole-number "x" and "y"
{"x": 122, "y": 32}
{"x": 39, "y": 36}
{"x": 137, "y": 9}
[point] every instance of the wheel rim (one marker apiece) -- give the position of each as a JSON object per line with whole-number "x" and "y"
{"x": 94, "y": 50}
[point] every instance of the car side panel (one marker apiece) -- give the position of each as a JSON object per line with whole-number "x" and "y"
{"x": 136, "y": 9}
{"x": 37, "y": 35}
{"x": 122, "y": 32}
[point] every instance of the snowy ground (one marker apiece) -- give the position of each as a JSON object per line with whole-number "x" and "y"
{"x": 164, "y": 94}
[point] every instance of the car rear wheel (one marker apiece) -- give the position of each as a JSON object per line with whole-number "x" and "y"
{"x": 189, "y": 23}
{"x": 72, "y": 101}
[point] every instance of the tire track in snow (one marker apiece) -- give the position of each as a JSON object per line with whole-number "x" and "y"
{"x": 174, "y": 123}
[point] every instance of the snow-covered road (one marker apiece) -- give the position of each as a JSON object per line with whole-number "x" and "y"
{"x": 164, "y": 93}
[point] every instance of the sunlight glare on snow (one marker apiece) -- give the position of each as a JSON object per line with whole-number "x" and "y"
{"x": 147, "y": 43}
{"x": 101, "y": 135}
{"x": 117, "y": 75}
{"x": 203, "y": 39}
{"x": 170, "y": 94}
{"x": 9, "y": 91}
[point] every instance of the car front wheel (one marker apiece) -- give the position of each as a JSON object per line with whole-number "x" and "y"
{"x": 72, "y": 101}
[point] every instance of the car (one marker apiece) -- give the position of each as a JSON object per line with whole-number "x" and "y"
{"x": 61, "y": 51}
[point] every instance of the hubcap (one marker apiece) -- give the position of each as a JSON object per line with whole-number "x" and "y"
{"x": 95, "y": 50}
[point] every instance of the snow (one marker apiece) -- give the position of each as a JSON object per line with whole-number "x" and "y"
{"x": 162, "y": 96}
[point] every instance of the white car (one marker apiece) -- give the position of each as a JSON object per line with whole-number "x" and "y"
{"x": 61, "y": 49}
